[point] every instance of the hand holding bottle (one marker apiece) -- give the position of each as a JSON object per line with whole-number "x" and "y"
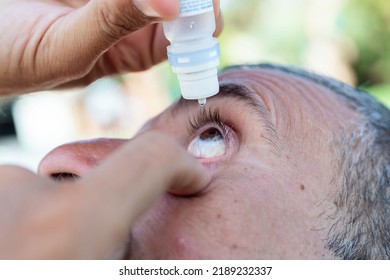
{"x": 51, "y": 44}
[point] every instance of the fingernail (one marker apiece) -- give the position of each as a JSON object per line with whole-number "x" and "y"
{"x": 145, "y": 8}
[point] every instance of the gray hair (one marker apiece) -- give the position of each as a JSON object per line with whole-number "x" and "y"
{"x": 360, "y": 226}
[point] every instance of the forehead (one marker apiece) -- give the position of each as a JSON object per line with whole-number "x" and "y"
{"x": 272, "y": 85}
{"x": 293, "y": 101}
{"x": 300, "y": 110}
{"x": 308, "y": 118}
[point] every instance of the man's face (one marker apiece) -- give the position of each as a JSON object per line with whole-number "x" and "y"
{"x": 266, "y": 140}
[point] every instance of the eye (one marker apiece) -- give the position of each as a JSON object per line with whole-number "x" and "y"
{"x": 210, "y": 143}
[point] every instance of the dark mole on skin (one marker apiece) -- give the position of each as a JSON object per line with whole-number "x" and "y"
{"x": 302, "y": 187}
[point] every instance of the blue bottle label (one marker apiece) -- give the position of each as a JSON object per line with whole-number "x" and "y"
{"x": 195, "y": 7}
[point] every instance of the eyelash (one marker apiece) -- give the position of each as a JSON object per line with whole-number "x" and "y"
{"x": 207, "y": 117}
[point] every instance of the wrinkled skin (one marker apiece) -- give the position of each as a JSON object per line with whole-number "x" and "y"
{"x": 269, "y": 192}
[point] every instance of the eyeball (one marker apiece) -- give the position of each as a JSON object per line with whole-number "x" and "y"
{"x": 208, "y": 144}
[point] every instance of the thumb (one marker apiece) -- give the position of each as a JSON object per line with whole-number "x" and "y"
{"x": 121, "y": 17}
{"x": 97, "y": 26}
{"x": 166, "y": 9}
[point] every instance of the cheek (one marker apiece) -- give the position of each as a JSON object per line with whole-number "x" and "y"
{"x": 179, "y": 229}
{"x": 286, "y": 216}
{"x": 205, "y": 227}
{"x": 273, "y": 217}
{"x": 211, "y": 225}
{"x": 244, "y": 214}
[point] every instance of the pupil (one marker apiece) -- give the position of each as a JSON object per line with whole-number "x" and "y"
{"x": 210, "y": 134}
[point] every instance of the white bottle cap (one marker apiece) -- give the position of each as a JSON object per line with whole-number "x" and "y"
{"x": 199, "y": 85}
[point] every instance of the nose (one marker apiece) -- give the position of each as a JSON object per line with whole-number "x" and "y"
{"x": 74, "y": 160}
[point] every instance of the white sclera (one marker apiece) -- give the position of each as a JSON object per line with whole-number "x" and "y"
{"x": 208, "y": 146}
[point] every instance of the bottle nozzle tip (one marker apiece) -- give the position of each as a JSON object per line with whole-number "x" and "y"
{"x": 202, "y": 102}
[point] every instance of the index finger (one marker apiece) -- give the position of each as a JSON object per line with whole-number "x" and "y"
{"x": 218, "y": 18}
{"x": 125, "y": 185}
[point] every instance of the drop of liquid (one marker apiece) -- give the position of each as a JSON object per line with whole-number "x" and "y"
{"x": 202, "y": 102}
{"x": 192, "y": 25}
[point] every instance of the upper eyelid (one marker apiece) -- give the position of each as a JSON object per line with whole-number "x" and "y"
{"x": 203, "y": 117}
{"x": 241, "y": 93}
{"x": 208, "y": 119}
{"x": 234, "y": 91}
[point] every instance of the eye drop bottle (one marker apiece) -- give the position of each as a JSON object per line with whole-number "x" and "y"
{"x": 194, "y": 53}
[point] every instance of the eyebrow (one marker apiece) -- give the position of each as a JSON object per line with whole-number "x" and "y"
{"x": 236, "y": 91}
{"x": 246, "y": 96}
